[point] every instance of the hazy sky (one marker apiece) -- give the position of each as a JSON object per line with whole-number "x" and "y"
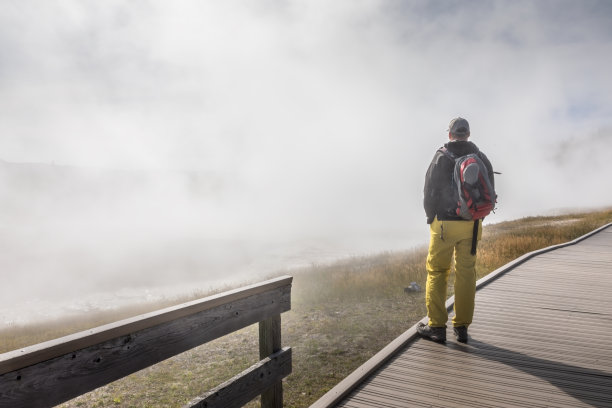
{"x": 315, "y": 103}
{"x": 317, "y": 117}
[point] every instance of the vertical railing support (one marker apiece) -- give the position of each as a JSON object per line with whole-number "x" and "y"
{"x": 270, "y": 342}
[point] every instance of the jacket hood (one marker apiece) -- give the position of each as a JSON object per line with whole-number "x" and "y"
{"x": 461, "y": 147}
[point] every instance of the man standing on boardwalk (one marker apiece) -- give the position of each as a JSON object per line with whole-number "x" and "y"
{"x": 451, "y": 234}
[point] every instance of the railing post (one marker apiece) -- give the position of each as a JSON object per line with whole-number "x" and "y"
{"x": 270, "y": 342}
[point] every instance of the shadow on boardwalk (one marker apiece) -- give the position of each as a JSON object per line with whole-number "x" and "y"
{"x": 590, "y": 386}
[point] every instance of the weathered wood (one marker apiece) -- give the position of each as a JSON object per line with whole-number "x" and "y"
{"x": 270, "y": 342}
{"x": 40, "y": 383}
{"x": 54, "y": 348}
{"x": 248, "y": 384}
{"x": 269, "y": 336}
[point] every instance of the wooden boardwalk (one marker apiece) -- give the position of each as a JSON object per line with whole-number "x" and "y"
{"x": 541, "y": 337}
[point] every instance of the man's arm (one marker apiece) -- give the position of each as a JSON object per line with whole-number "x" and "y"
{"x": 431, "y": 190}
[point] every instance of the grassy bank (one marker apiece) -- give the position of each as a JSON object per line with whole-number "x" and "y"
{"x": 342, "y": 314}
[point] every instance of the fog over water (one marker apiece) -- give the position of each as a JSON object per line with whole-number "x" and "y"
{"x": 152, "y": 148}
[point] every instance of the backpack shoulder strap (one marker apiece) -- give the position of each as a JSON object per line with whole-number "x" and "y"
{"x": 448, "y": 153}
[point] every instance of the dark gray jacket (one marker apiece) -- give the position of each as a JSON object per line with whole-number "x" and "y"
{"x": 439, "y": 188}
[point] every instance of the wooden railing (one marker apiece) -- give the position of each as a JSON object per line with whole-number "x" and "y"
{"x": 55, "y": 371}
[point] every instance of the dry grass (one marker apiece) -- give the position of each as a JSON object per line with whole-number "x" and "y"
{"x": 506, "y": 241}
{"x": 342, "y": 314}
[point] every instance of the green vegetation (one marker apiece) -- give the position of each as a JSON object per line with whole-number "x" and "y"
{"x": 342, "y": 314}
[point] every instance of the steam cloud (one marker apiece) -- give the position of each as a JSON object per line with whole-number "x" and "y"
{"x": 148, "y": 143}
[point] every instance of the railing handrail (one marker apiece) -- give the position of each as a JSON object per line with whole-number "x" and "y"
{"x": 26, "y": 356}
{"x": 95, "y": 357}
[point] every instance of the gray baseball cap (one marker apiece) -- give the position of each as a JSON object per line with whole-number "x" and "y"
{"x": 459, "y": 127}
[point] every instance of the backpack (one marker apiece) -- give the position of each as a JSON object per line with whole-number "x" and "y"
{"x": 474, "y": 192}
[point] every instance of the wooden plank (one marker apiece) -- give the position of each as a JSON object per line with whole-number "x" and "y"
{"x": 270, "y": 342}
{"x": 429, "y": 374}
{"x": 480, "y": 370}
{"x": 44, "y": 351}
{"x": 522, "y": 259}
{"x": 76, "y": 372}
{"x": 350, "y": 383}
{"x": 247, "y": 385}
{"x": 482, "y": 363}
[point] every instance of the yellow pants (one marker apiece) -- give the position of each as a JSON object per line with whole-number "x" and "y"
{"x": 448, "y": 237}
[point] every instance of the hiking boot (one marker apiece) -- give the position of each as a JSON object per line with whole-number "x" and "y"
{"x": 461, "y": 334}
{"x": 437, "y": 334}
